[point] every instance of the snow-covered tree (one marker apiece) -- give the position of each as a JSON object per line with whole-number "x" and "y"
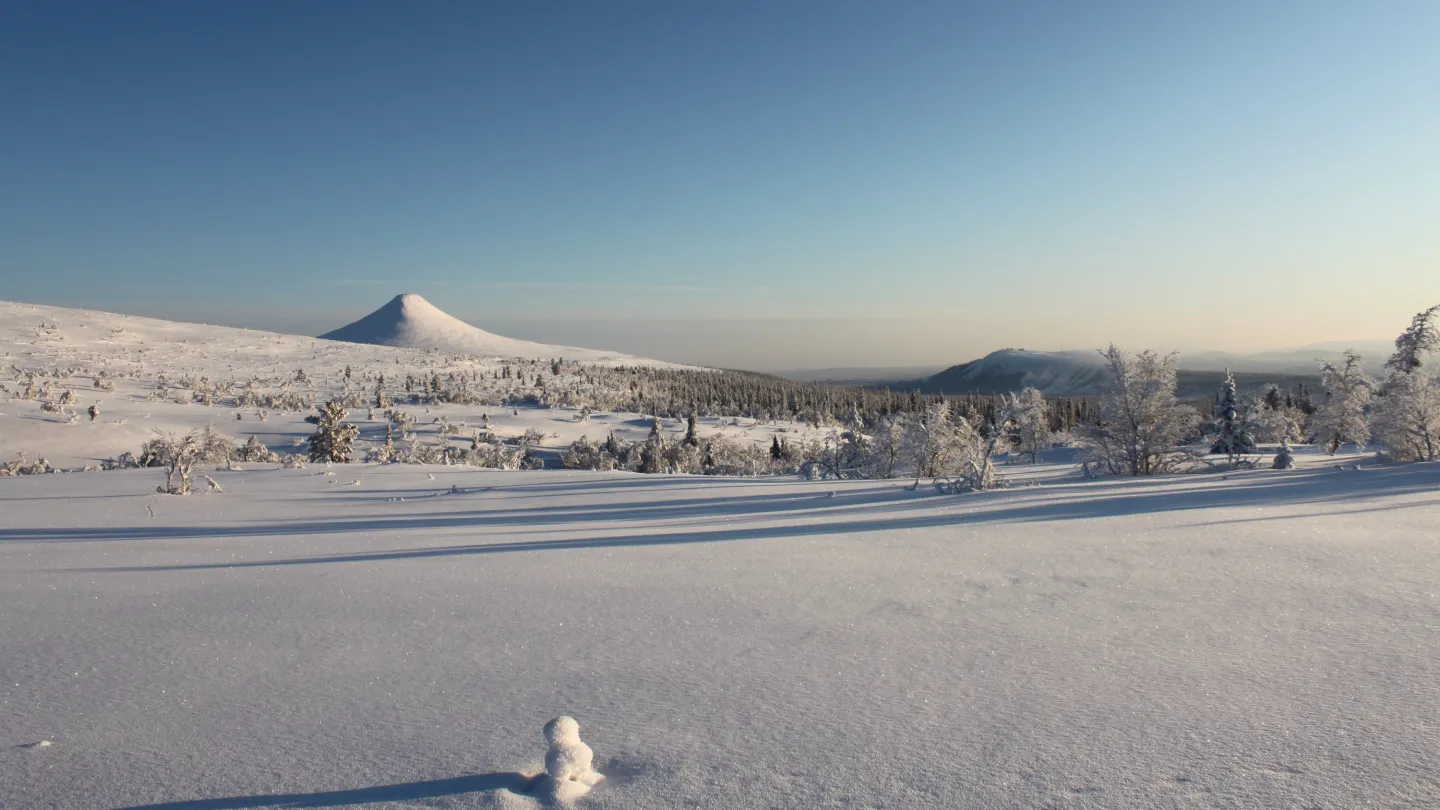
{"x": 975, "y": 450}
{"x": 932, "y": 442}
{"x": 1342, "y": 416}
{"x": 1141, "y": 422}
{"x": 218, "y": 448}
{"x": 179, "y": 455}
{"x": 886, "y": 451}
{"x": 1234, "y": 434}
{"x": 333, "y": 436}
{"x": 1274, "y": 416}
{"x": 1421, "y": 338}
{"x": 1407, "y": 413}
{"x": 1032, "y": 422}
{"x": 652, "y": 456}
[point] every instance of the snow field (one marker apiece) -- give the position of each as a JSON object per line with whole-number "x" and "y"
{"x": 1261, "y": 639}
{"x": 35, "y": 337}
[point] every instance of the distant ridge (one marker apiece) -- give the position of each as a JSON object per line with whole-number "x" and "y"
{"x": 1077, "y": 373}
{"x": 409, "y": 321}
{"x": 1010, "y": 370}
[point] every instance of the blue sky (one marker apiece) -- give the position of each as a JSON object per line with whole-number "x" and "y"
{"x": 766, "y": 185}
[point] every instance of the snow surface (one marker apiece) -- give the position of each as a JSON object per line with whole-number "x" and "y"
{"x": 1260, "y": 639}
{"x": 409, "y": 321}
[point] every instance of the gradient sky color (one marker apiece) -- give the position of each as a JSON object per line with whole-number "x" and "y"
{"x": 754, "y": 184}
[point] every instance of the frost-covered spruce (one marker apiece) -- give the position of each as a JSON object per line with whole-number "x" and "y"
{"x": 569, "y": 759}
{"x": 1235, "y": 436}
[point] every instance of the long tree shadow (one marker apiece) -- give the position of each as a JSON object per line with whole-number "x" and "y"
{"x": 408, "y": 791}
{"x": 1041, "y": 511}
{"x": 889, "y": 508}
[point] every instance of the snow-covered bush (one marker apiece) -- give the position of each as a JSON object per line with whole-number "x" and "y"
{"x": 333, "y": 436}
{"x": 1342, "y": 416}
{"x": 1284, "y": 459}
{"x": 217, "y": 448}
{"x": 254, "y": 451}
{"x": 22, "y": 465}
{"x": 1141, "y": 422}
{"x": 179, "y": 455}
{"x": 582, "y": 454}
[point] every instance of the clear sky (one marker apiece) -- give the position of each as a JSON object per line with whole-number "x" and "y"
{"x": 757, "y": 184}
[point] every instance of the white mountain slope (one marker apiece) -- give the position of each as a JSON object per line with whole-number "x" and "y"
{"x": 409, "y": 321}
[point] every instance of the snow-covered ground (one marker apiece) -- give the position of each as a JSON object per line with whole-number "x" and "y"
{"x": 137, "y": 354}
{"x": 398, "y": 635}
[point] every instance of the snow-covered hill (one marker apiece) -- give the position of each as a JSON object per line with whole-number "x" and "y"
{"x": 1082, "y": 373}
{"x": 145, "y": 374}
{"x": 409, "y": 321}
{"x": 1055, "y": 373}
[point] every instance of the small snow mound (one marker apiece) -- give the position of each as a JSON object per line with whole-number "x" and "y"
{"x": 569, "y": 762}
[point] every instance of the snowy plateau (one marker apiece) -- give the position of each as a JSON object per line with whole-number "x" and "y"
{"x": 398, "y": 635}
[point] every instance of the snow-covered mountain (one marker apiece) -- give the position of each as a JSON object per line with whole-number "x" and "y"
{"x": 1082, "y": 373}
{"x": 409, "y": 321}
{"x": 1056, "y": 373}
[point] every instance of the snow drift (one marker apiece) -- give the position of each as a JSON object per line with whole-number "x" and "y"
{"x": 409, "y": 321}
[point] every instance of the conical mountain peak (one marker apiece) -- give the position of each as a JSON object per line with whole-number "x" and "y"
{"x": 409, "y": 321}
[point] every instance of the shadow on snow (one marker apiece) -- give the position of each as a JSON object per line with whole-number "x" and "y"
{"x": 513, "y": 782}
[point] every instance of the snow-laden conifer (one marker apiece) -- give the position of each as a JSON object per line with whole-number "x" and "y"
{"x": 1341, "y": 418}
{"x": 1234, "y": 433}
{"x": 333, "y": 436}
